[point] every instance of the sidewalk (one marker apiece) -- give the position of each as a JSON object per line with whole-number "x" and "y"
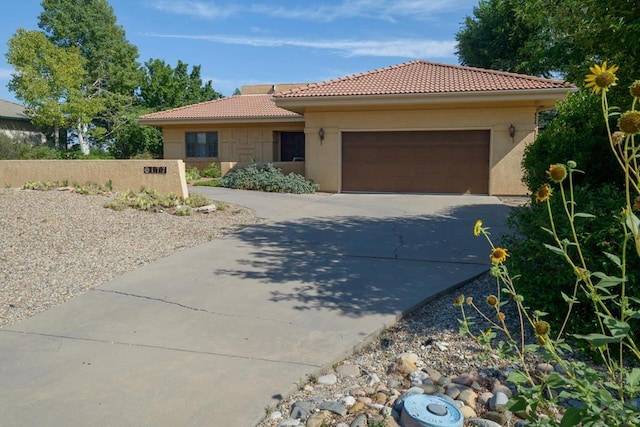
{"x": 212, "y": 335}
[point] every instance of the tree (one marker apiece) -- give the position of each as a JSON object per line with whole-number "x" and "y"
{"x": 164, "y": 87}
{"x": 50, "y": 80}
{"x": 90, "y": 25}
{"x": 501, "y": 37}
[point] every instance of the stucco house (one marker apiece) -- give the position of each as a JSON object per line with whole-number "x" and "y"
{"x": 414, "y": 127}
{"x": 17, "y": 125}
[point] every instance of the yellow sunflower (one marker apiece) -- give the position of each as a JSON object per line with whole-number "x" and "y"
{"x": 543, "y": 193}
{"x": 557, "y": 172}
{"x": 601, "y": 77}
{"x": 629, "y": 122}
{"x": 477, "y": 229}
{"x": 498, "y": 255}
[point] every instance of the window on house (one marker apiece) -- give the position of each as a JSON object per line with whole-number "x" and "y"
{"x": 291, "y": 146}
{"x": 201, "y": 144}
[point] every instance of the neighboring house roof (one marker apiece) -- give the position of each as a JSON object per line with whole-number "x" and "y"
{"x": 422, "y": 77}
{"x": 239, "y": 108}
{"x": 11, "y": 110}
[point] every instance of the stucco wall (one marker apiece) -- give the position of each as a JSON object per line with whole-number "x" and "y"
{"x": 22, "y": 131}
{"x": 240, "y": 142}
{"x": 287, "y": 167}
{"x": 323, "y": 158}
{"x": 123, "y": 174}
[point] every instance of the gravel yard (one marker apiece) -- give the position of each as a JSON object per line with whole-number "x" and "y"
{"x": 57, "y": 244}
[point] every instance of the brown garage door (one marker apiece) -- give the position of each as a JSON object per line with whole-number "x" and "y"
{"x": 416, "y": 161}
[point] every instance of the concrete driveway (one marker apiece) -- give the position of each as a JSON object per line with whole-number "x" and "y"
{"x": 214, "y": 334}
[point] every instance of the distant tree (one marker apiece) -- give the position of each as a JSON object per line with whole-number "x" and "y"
{"x": 164, "y": 87}
{"x": 237, "y": 91}
{"x": 51, "y": 80}
{"x": 500, "y": 36}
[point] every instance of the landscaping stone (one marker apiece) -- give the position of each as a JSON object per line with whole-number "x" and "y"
{"x": 328, "y": 379}
{"x": 348, "y": 370}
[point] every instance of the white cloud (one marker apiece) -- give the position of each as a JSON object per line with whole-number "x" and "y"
{"x": 388, "y": 10}
{"x": 194, "y": 8}
{"x": 405, "y": 48}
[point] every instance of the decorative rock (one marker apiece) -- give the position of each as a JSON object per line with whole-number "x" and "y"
{"x": 376, "y": 406}
{"x": 380, "y": 397}
{"x": 357, "y": 407}
{"x": 409, "y": 356}
{"x": 318, "y": 419}
{"x": 465, "y": 379}
{"x": 484, "y": 398}
{"x": 498, "y": 402}
{"x": 301, "y": 409}
{"x": 289, "y": 422}
{"x": 469, "y": 397}
{"x": 544, "y": 368}
{"x": 430, "y": 389}
{"x": 365, "y": 399}
{"x": 468, "y": 412}
{"x": 334, "y": 407}
{"x": 405, "y": 366}
{"x": 372, "y": 380}
{"x": 433, "y": 374}
{"x": 522, "y": 423}
{"x": 329, "y": 379}
{"x": 393, "y": 383}
{"x": 417, "y": 377}
{"x": 206, "y": 209}
{"x": 347, "y": 401}
{"x": 496, "y": 417}
{"x": 503, "y": 389}
{"x": 386, "y": 411}
{"x": 481, "y": 422}
{"x": 342, "y": 425}
{"x": 453, "y": 392}
{"x": 357, "y": 392}
{"x": 348, "y": 370}
{"x": 275, "y": 415}
{"x": 359, "y": 421}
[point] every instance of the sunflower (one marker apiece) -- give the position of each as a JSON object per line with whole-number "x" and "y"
{"x": 477, "y": 229}
{"x": 557, "y": 172}
{"x": 500, "y": 315}
{"x": 634, "y": 89}
{"x": 617, "y": 137}
{"x": 458, "y": 301}
{"x": 629, "y": 122}
{"x": 601, "y": 78}
{"x": 498, "y": 255}
{"x": 543, "y": 193}
{"x": 542, "y": 327}
{"x": 492, "y": 300}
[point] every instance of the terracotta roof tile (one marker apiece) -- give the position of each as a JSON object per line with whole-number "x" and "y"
{"x": 234, "y": 107}
{"x": 422, "y": 77}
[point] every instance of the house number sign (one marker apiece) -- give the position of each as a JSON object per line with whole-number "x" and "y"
{"x": 155, "y": 169}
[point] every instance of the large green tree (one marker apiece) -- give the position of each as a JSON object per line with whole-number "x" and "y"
{"x": 500, "y": 36}
{"x": 50, "y": 80}
{"x": 165, "y": 87}
{"x": 553, "y": 37}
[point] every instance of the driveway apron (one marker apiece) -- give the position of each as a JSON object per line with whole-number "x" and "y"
{"x": 212, "y": 335}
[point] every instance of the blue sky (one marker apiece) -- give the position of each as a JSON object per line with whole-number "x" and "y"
{"x": 241, "y": 42}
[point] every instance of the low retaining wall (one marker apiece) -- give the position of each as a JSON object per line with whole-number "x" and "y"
{"x": 287, "y": 167}
{"x": 164, "y": 176}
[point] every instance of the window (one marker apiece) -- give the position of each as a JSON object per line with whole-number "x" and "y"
{"x": 291, "y": 146}
{"x": 202, "y": 144}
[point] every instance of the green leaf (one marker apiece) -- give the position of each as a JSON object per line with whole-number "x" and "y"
{"x": 614, "y": 258}
{"x": 568, "y": 299}
{"x": 633, "y": 378}
{"x": 571, "y": 417}
{"x": 607, "y": 281}
{"x": 618, "y": 328}
{"x": 583, "y": 215}
{"x": 554, "y": 249}
{"x": 599, "y": 340}
{"x": 517, "y": 377}
{"x": 518, "y": 404}
{"x": 555, "y": 380}
{"x": 547, "y": 230}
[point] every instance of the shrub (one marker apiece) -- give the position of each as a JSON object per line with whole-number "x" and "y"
{"x": 192, "y": 174}
{"x": 212, "y": 171}
{"x": 196, "y": 200}
{"x": 267, "y": 178}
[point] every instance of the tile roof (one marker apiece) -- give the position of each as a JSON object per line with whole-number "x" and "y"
{"x": 422, "y": 77}
{"x": 233, "y": 107}
{"x": 12, "y": 110}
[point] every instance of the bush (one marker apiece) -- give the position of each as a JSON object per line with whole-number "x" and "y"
{"x": 267, "y": 178}
{"x": 537, "y": 269}
{"x": 10, "y": 150}
{"x": 192, "y": 174}
{"x": 212, "y": 171}
{"x": 578, "y": 133}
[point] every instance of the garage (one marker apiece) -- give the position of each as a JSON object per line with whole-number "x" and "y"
{"x": 416, "y": 161}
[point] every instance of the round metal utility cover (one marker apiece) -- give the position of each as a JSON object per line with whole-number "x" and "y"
{"x": 423, "y": 410}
